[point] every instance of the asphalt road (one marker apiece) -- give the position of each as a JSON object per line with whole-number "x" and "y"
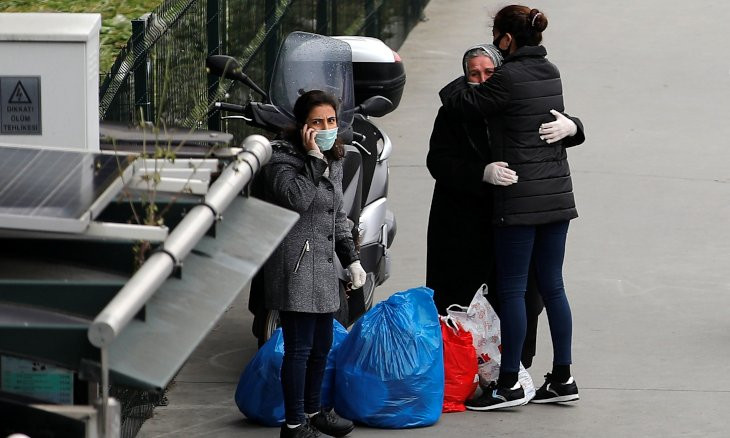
{"x": 647, "y": 261}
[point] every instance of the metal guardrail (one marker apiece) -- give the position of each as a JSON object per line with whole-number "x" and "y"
{"x": 115, "y": 316}
{"x": 183, "y": 238}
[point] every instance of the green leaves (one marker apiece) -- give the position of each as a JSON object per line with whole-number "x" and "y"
{"x": 116, "y": 16}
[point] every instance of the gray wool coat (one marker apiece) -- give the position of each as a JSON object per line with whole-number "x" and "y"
{"x": 300, "y": 275}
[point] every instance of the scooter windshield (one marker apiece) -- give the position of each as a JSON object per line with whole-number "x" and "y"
{"x": 308, "y": 61}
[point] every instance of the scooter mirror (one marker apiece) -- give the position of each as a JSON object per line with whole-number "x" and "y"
{"x": 224, "y": 66}
{"x": 228, "y": 67}
{"x": 376, "y": 106}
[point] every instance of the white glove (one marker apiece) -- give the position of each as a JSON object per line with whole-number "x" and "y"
{"x": 559, "y": 129}
{"x": 357, "y": 274}
{"x": 499, "y": 174}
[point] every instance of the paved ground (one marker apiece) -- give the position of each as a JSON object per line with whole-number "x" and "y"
{"x": 647, "y": 262}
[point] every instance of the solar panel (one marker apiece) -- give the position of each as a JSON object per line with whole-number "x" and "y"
{"x": 57, "y": 190}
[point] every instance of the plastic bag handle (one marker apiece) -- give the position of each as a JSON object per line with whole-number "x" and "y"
{"x": 452, "y": 324}
{"x": 457, "y": 307}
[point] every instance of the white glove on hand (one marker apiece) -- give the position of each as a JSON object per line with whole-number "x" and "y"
{"x": 559, "y": 129}
{"x": 499, "y": 174}
{"x": 357, "y": 274}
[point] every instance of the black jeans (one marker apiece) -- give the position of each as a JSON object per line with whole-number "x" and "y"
{"x": 307, "y": 342}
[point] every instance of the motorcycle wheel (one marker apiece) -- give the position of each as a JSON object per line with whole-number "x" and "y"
{"x": 271, "y": 323}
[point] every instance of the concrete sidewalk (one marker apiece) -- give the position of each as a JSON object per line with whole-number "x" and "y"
{"x": 647, "y": 262}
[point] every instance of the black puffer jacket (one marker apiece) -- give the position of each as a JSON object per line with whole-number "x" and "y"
{"x": 517, "y": 99}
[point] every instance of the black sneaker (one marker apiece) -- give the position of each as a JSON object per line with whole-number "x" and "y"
{"x": 494, "y": 397}
{"x": 556, "y": 392}
{"x": 327, "y": 421}
{"x": 301, "y": 431}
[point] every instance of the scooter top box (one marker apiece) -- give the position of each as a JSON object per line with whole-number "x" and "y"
{"x": 377, "y": 70}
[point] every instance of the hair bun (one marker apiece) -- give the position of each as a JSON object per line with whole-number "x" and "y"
{"x": 538, "y": 20}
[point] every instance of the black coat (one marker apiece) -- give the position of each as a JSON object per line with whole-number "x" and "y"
{"x": 517, "y": 99}
{"x": 459, "y": 255}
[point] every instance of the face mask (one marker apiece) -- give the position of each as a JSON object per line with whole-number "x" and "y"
{"x": 504, "y": 52}
{"x": 325, "y": 139}
{"x": 473, "y": 84}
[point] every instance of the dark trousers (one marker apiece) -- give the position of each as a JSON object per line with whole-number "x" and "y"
{"x": 307, "y": 342}
{"x": 533, "y": 305}
{"x": 516, "y": 246}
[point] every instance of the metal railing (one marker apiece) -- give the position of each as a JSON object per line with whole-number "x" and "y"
{"x": 137, "y": 405}
{"x": 160, "y": 77}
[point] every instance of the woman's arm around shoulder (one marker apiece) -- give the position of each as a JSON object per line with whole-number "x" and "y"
{"x": 485, "y": 99}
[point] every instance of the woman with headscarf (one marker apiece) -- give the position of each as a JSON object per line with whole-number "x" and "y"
{"x": 532, "y": 216}
{"x": 460, "y": 244}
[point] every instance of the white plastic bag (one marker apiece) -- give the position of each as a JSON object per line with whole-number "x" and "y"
{"x": 482, "y": 322}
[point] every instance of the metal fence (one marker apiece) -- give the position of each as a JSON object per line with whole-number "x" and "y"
{"x": 136, "y": 407}
{"x": 160, "y": 77}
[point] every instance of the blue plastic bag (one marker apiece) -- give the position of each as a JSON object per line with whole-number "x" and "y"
{"x": 390, "y": 368}
{"x": 259, "y": 395}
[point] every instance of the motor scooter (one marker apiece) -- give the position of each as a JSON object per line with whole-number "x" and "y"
{"x": 309, "y": 61}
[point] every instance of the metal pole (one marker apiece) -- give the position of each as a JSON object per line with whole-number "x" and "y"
{"x": 141, "y": 88}
{"x": 333, "y": 19}
{"x": 406, "y": 20}
{"x": 142, "y": 285}
{"x": 271, "y": 44}
{"x": 214, "y": 46}
{"x": 371, "y": 23}
{"x": 322, "y": 21}
{"x": 105, "y": 391}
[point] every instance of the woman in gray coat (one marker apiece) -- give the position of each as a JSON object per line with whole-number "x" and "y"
{"x": 305, "y": 175}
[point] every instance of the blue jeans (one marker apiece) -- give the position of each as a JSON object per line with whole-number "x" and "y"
{"x": 514, "y": 246}
{"x": 307, "y": 342}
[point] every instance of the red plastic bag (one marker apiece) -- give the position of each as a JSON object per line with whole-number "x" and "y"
{"x": 460, "y": 365}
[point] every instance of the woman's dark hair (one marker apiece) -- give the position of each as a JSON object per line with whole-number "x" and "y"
{"x": 524, "y": 24}
{"x": 302, "y": 107}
